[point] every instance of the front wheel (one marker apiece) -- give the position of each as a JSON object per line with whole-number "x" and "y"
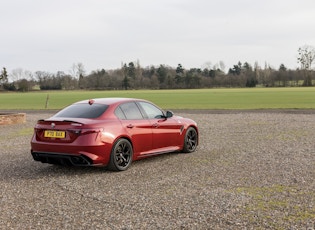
{"x": 191, "y": 140}
{"x": 121, "y": 155}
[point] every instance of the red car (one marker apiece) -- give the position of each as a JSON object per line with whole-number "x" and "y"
{"x": 112, "y": 132}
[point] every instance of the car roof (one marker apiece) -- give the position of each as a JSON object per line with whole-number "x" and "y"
{"x": 109, "y": 100}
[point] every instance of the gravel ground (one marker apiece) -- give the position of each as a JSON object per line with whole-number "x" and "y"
{"x": 252, "y": 170}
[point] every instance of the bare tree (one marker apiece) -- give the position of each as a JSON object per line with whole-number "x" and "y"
{"x": 19, "y": 74}
{"x": 222, "y": 66}
{"x": 77, "y": 70}
{"x": 207, "y": 65}
{"x": 306, "y": 58}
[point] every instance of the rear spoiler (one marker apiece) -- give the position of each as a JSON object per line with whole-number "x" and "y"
{"x": 70, "y": 121}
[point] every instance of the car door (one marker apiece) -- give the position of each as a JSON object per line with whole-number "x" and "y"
{"x": 138, "y": 128}
{"x": 166, "y": 131}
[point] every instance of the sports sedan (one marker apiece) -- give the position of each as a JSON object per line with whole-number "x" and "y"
{"x": 111, "y": 132}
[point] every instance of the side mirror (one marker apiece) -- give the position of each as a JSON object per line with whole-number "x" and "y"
{"x": 169, "y": 114}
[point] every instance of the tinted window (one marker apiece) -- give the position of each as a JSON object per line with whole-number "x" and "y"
{"x": 131, "y": 111}
{"x": 82, "y": 111}
{"x": 151, "y": 110}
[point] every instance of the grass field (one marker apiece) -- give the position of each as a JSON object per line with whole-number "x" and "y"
{"x": 253, "y": 98}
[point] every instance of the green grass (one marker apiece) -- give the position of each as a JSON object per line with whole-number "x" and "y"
{"x": 253, "y": 98}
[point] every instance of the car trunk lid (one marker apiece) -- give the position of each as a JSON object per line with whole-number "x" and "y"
{"x": 63, "y": 130}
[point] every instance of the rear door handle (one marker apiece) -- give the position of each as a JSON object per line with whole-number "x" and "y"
{"x": 155, "y": 125}
{"x": 130, "y": 126}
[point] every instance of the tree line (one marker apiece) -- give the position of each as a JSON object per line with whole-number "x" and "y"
{"x": 133, "y": 76}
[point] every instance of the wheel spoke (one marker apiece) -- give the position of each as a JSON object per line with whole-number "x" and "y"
{"x": 123, "y": 155}
{"x": 191, "y": 140}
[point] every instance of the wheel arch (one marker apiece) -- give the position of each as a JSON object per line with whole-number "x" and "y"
{"x": 123, "y": 137}
{"x": 196, "y": 128}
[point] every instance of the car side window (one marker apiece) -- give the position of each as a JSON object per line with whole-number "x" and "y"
{"x": 120, "y": 114}
{"x": 131, "y": 111}
{"x": 151, "y": 110}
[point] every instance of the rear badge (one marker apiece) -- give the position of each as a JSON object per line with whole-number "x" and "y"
{"x": 53, "y": 125}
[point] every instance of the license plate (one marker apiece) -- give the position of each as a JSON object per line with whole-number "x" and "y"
{"x": 55, "y": 134}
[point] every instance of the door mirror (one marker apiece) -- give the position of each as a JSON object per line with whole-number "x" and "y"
{"x": 169, "y": 114}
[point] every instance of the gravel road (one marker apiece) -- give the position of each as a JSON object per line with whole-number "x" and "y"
{"x": 252, "y": 170}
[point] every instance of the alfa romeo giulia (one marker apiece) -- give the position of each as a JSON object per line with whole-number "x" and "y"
{"x": 111, "y": 132}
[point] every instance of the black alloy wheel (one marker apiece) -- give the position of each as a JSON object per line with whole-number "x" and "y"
{"x": 191, "y": 140}
{"x": 121, "y": 155}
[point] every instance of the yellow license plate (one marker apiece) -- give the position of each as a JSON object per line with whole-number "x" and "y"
{"x": 54, "y": 134}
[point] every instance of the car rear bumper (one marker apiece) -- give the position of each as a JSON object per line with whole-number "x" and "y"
{"x": 62, "y": 159}
{"x": 71, "y": 155}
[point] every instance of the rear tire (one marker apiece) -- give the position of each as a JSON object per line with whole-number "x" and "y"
{"x": 191, "y": 140}
{"x": 121, "y": 155}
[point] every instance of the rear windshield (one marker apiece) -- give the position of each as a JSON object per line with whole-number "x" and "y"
{"x": 82, "y": 111}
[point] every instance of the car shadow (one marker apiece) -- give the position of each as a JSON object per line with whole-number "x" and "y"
{"x": 27, "y": 169}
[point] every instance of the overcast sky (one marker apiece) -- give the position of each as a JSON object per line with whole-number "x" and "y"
{"x": 42, "y": 35}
